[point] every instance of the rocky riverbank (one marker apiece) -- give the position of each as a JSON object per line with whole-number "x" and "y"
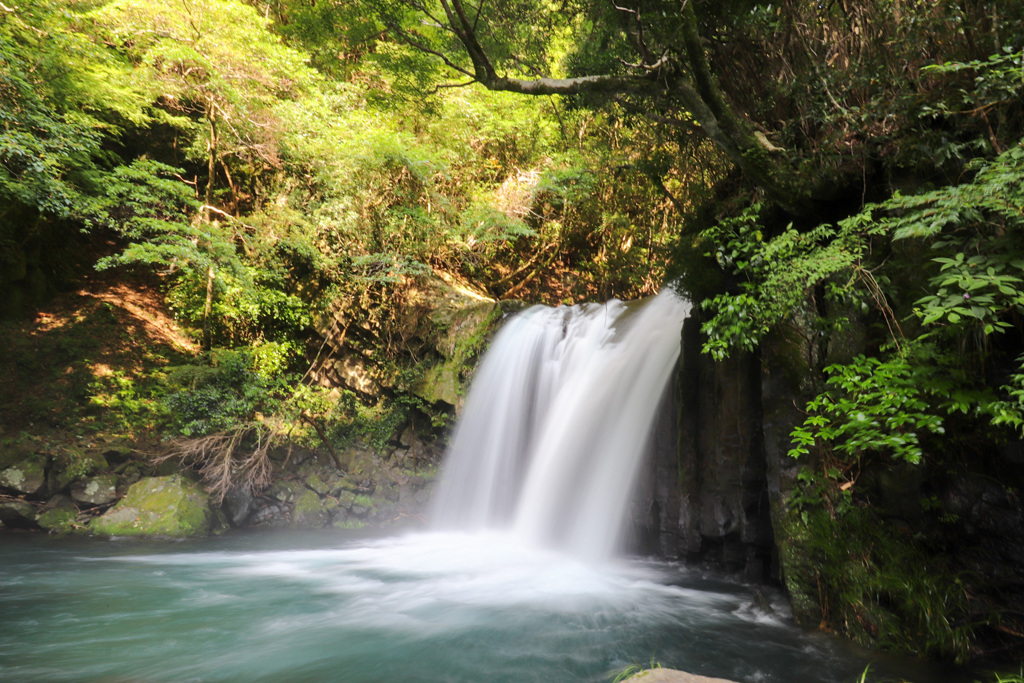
{"x": 109, "y": 490}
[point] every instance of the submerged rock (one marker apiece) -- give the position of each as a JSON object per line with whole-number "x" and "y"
{"x": 162, "y": 506}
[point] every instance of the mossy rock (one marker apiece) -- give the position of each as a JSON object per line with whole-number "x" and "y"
{"x": 10, "y": 455}
{"x": 800, "y": 569}
{"x": 344, "y": 485}
{"x": 72, "y": 464}
{"x": 27, "y": 476}
{"x": 873, "y": 583}
{"x": 95, "y": 490}
{"x": 60, "y": 520}
{"x": 348, "y": 523}
{"x": 17, "y": 514}
{"x": 440, "y": 384}
{"x": 285, "y": 491}
{"x": 315, "y": 482}
{"x": 465, "y": 328}
{"x": 357, "y": 503}
{"x": 462, "y": 332}
{"x": 309, "y": 512}
{"x": 161, "y": 506}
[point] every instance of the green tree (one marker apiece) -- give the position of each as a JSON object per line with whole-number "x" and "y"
{"x": 216, "y": 68}
{"x": 63, "y": 100}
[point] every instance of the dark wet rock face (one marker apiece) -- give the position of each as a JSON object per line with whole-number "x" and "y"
{"x": 705, "y": 491}
{"x": 722, "y": 497}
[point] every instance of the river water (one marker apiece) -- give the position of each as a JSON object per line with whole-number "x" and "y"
{"x": 336, "y": 606}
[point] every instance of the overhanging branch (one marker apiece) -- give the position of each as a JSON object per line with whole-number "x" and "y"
{"x": 683, "y": 75}
{"x": 565, "y": 86}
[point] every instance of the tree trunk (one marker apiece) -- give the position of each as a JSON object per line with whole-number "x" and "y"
{"x": 208, "y": 309}
{"x": 211, "y": 148}
{"x": 211, "y": 159}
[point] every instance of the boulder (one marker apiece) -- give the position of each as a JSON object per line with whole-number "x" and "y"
{"x": 440, "y": 384}
{"x": 10, "y": 455}
{"x": 71, "y": 464}
{"x": 129, "y": 475}
{"x": 27, "y": 476}
{"x": 160, "y": 506}
{"x": 58, "y": 520}
{"x": 309, "y": 512}
{"x": 285, "y": 491}
{"x": 269, "y": 512}
{"x": 315, "y": 482}
{"x": 238, "y": 504}
{"x": 17, "y": 514}
{"x": 95, "y": 490}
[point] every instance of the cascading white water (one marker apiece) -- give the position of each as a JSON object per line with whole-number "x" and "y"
{"x": 557, "y": 420}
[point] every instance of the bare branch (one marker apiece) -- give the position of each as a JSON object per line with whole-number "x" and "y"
{"x": 419, "y": 45}
{"x": 638, "y": 32}
{"x": 437, "y": 88}
{"x": 437, "y": 21}
{"x": 566, "y": 86}
{"x": 662, "y": 61}
{"x": 207, "y": 207}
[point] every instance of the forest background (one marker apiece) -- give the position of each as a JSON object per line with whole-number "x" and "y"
{"x": 848, "y": 172}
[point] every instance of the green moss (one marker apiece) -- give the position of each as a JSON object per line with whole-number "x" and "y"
{"x": 349, "y": 500}
{"x": 314, "y": 482}
{"x": 72, "y": 464}
{"x": 874, "y": 583}
{"x": 364, "y": 501}
{"x": 286, "y": 491}
{"x": 461, "y": 335}
{"x": 343, "y": 485}
{"x": 440, "y": 384}
{"x": 467, "y": 335}
{"x": 349, "y": 524}
{"x": 58, "y": 520}
{"x": 308, "y": 502}
{"x": 162, "y": 506}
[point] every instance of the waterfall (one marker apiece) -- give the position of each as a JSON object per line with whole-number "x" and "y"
{"x": 557, "y": 420}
